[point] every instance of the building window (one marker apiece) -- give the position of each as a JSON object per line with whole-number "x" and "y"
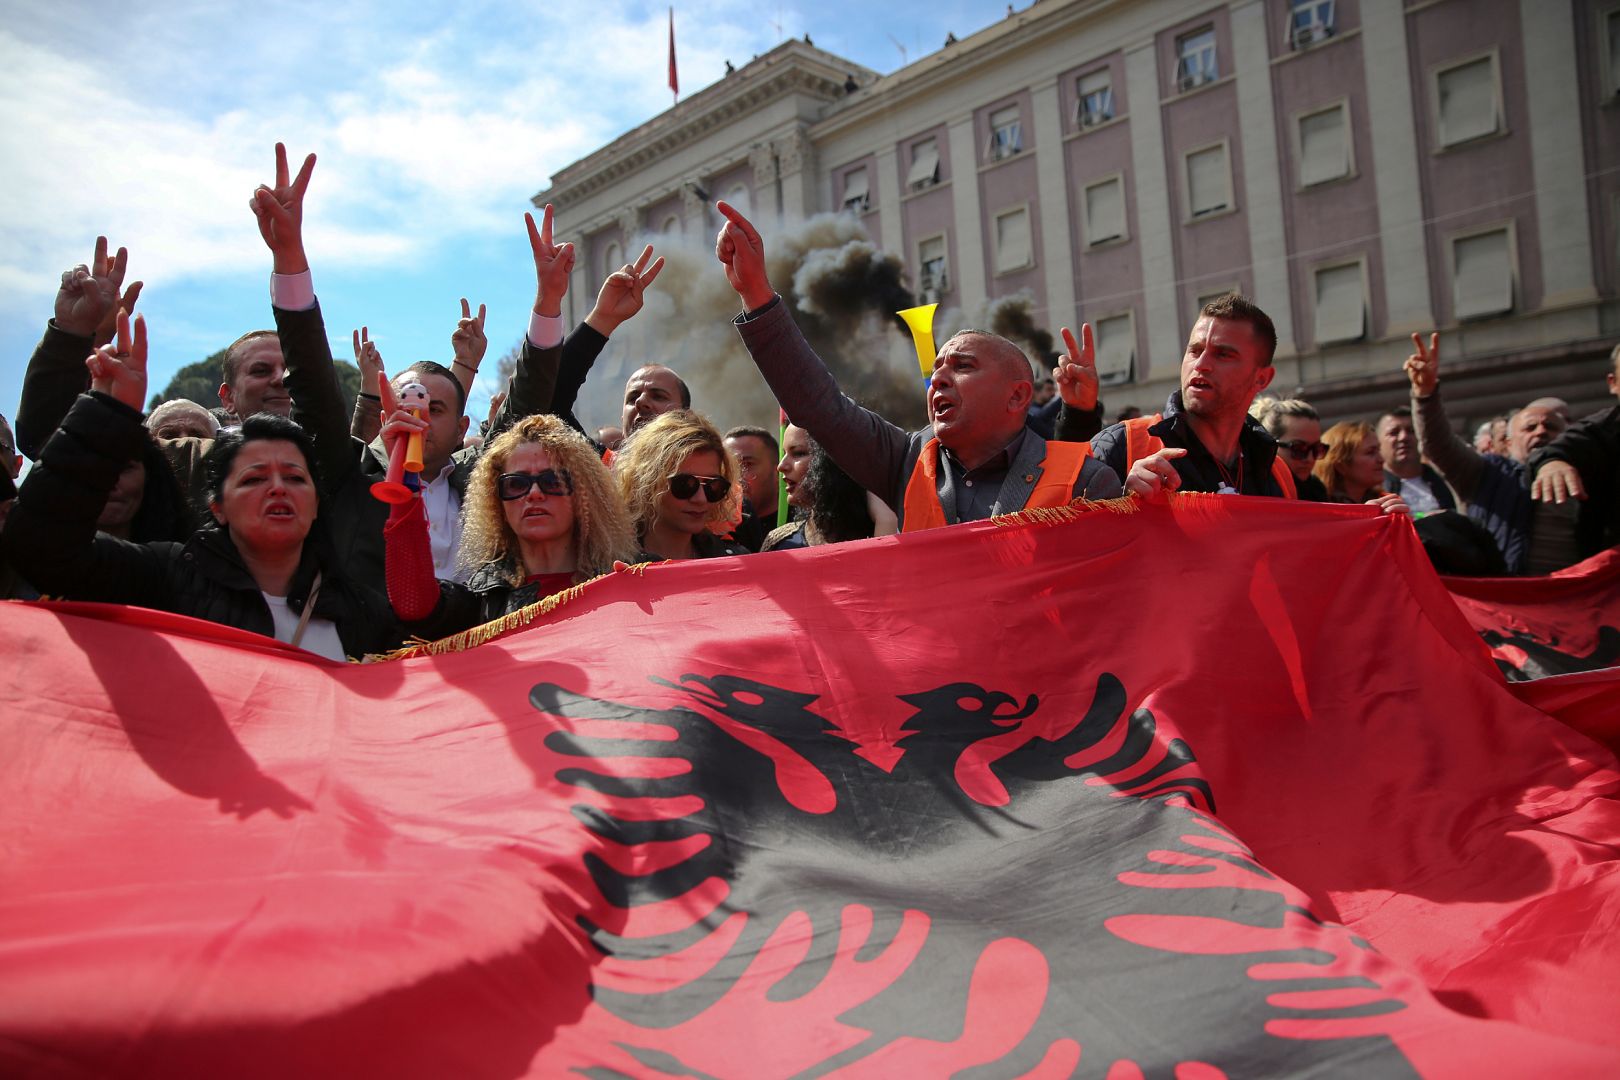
{"x": 1324, "y": 146}
{"x": 924, "y": 171}
{"x": 612, "y": 259}
{"x": 1105, "y": 211}
{"x": 932, "y": 279}
{"x": 1195, "y": 59}
{"x": 1116, "y": 350}
{"x": 1013, "y": 250}
{"x": 738, "y": 197}
{"x": 1006, "y": 134}
{"x": 1309, "y": 22}
{"x": 1482, "y": 274}
{"x": 1209, "y": 182}
{"x": 1341, "y": 304}
{"x": 857, "y": 197}
{"x": 1096, "y": 99}
{"x": 1468, "y": 100}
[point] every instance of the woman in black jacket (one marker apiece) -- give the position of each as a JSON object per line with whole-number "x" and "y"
{"x": 262, "y": 567}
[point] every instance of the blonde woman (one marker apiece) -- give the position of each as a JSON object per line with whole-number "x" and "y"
{"x": 679, "y": 482}
{"x": 541, "y": 514}
{"x": 1352, "y": 469}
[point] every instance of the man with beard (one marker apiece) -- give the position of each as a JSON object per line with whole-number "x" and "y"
{"x": 1205, "y": 440}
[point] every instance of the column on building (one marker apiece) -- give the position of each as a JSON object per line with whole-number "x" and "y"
{"x": 1051, "y": 182}
{"x": 1268, "y": 241}
{"x": 1154, "y": 214}
{"x": 795, "y": 172}
{"x": 1395, "y": 172}
{"x": 1562, "y": 216}
{"x": 966, "y": 215}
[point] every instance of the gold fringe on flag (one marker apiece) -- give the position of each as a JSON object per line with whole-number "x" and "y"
{"x": 1060, "y": 515}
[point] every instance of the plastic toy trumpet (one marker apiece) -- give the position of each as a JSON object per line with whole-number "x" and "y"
{"x": 921, "y": 322}
{"x": 406, "y": 454}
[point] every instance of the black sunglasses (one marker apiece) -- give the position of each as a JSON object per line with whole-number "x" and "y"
{"x": 683, "y": 485}
{"x": 1299, "y": 448}
{"x": 516, "y": 485}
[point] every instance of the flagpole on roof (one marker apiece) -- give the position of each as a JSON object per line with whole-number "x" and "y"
{"x": 674, "y": 82}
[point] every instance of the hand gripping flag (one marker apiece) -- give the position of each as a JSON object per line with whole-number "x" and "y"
{"x": 1218, "y": 787}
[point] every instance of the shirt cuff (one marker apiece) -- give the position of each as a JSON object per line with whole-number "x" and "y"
{"x": 292, "y": 292}
{"x": 545, "y": 331}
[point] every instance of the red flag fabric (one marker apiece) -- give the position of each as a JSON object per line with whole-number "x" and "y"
{"x": 674, "y": 83}
{"x": 1540, "y": 626}
{"x": 1218, "y": 787}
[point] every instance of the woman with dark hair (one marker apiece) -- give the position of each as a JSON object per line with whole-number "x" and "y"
{"x": 261, "y": 567}
{"x": 541, "y": 514}
{"x": 832, "y": 508}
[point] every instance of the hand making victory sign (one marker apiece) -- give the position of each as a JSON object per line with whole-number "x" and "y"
{"x": 87, "y": 303}
{"x": 621, "y": 295}
{"x": 468, "y": 343}
{"x": 1076, "y": 371}
{"x": 552, "y": 264}
{"x": 280, "y": 212}
{"x": 1423, "y": 366}
{"x": 119, "y": 370}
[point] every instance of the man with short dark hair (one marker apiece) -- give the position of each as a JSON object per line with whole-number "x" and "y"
{"x": 1205, "y": 440}
{"x": 650, "y": 392}
{"x": 253, "y": 374}
{"x": 756, "y": 452}
{"x": 1405, "y": 473}
{"x": 976, "y": 459}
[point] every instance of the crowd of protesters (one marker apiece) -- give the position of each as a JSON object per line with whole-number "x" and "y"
{"x": 287, "y": 510}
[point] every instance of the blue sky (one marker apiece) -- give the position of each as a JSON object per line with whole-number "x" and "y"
{"x": 434, "y": 123}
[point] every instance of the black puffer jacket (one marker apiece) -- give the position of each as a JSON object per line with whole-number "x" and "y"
{"x": 50, "y": 537}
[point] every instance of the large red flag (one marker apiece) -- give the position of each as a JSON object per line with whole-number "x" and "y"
{"x": 1222, "y": 787}
{"x": 1540, "y": 626}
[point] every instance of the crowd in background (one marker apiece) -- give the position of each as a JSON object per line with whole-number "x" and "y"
{"x": 347, "y": 526}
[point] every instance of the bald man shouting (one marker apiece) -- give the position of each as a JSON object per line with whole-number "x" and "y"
{"x": 976, "y": 458}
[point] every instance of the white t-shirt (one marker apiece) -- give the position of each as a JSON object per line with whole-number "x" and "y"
{"x": 1417, "y": 495}
{"x": 320, "y": 636}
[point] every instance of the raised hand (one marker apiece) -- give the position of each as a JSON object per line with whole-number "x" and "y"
{"x": 622, "y": 293}
{"x": 367, "y": 358}
{"x": 468, "y": 343}
{"x": 552, "y": 264}
{"x": 742, "y": 253}
{"x": 1423, "y": 366}
{"x": 496, "y": 400}
{"x": 1155, "y": 474}
{"x": 1076, "y": 371}
{"x": 280, "y": 212}
{"x": 109, "y": 322}
{"x": 88, "y": 295}
{"x": 119, "y": 370}
{"x": 1557, "y": 482}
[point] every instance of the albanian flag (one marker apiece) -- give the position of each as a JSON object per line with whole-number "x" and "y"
{"x": 1219, "y": 787}
{"x": 1541, "y": 626}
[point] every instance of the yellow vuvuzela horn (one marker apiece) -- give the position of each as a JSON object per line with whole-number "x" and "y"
{"x": 921, "y": 322}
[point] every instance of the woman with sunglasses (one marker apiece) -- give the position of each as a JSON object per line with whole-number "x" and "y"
{"x": 540, "y": 515}
{"x": 679, "y": 485}
{"x": 1298, "y": 431}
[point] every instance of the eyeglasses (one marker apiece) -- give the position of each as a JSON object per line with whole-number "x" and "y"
{"x": 684, "y": 485}
{"x": 516, "y": 485}
{"x": 1299, "y": 448}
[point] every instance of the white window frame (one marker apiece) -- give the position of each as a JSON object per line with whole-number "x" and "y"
{"x": 1186, "y": 182}
{"x": 1092, "y": 239}
{"x": 1131, "y": 370}
{"x": 1360, "y": 262}
{"x": 1515, "y": 285}
{"x": 1320, "y": 29}
{"x": 865, "y": 196}
{"x": 1083, "y": 119}
{"x": 995, "y": 236}
{"x": 925, "y": 284}
{"x": 932, "y": 180}
{"x": 1186, "y": 77}
{"x": 995, "y": 149}
{"x": 1300, "y": 183}
{"x": 1440, "y": 70}
{"x": 1611, "y": 77}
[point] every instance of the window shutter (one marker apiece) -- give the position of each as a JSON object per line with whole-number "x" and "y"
{"x": 1482, "y": 283}
{"x": 1467, "y": 102}
{"x": 1116, "y": 350}
{"x": 1341, "y": 309}
{"x": 1012, "y": 241}
{"x": 1323, "y": 147}
{"x": 1105, "y": 212}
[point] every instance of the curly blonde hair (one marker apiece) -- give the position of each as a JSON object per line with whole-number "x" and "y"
{"x": 601, "y": 527}
{"x": 1343, "y": 440}
{"x": 644, "y": 464}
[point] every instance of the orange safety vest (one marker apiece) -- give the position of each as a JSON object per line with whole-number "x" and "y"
{"x": 1139, "y": 444}
{"x": 1059, "y": 471}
